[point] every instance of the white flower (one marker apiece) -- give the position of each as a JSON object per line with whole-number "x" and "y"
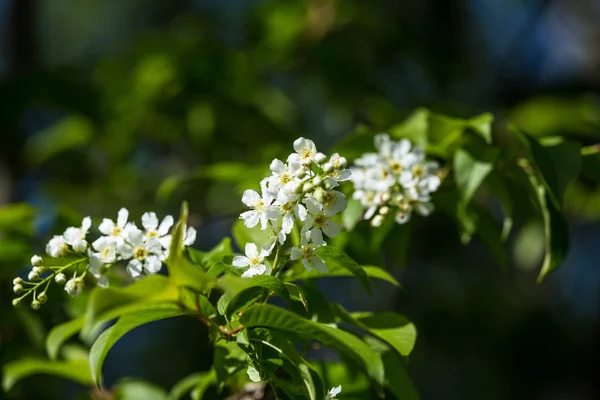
{"x": 318, "y": 224}
{"x": 117, "y": 230}
{"x": 306, "y": 149}
{"x": 253, "y": 260}
{"x": 76, "y": 236}
{"x": 334, "y": 392}
{"x": 98, "y": 269}
{"x": 145, "y": 254}
{"x": 74, "y": 286}
{"x": 153, "y": 230}
{"x": 57, "y": 247}
{"x": 262, "y": 210}
{"x": 289, "y": 208}
{"x": 307, "y": 253}
{"x": 283, "y": 174}
{"x": 106, "y": 253}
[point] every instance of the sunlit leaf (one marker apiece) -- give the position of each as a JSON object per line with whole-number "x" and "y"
{"x": 77, "y": 371}
{"x": 136, "y": 389}
{"x": 60, "y": 333}
{"x": 277, "y": 318}
{"x": 125, "y": 324}
{"x": 336, "y": 258}
{"x": 371, "y": 271}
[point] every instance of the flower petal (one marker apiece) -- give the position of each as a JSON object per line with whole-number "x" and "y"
{"x": 251, "y": 250}
{"x": 254, "y": 271}
{"x": 251, "y": 218}
{"x": 240, "y": 261}
{"x": 149, "y": 221}
{"x": 332, "y": 229}
{"x": 152, "y": 264}
{"x": 86, "y": 224}
{"x": 122, "y": 217}
{"x": 134, "y": 268}
{"x": 165, "y": 225}
{"x": 190, "y": 236}
{"x": 106, "y": 227}
{"x": 250, "y": 197}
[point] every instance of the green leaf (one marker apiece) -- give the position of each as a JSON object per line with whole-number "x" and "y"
{"x": 394, "y": 328}
{"x": 242, "y": 234}
{"x": 217, "y": 254}
{"x": 268, "y": 316}
{"x": 101, "y": 301}
{"x": 209, "y": 378}
{"x": 482, "y": 125}
{"x": 60, "y": 333}
{"x": 371, "y": 271}
{"x": 136, "y": 389}
{"x": 469, "y": 174}
{"x": 246, "y": 297}
{"x": 396, "y": 373}
{"x": 414, "y": 128}
{"x": 336, "y": 258}
{"x": 181, "y": 270}
{"x": 282, "y": 345}
{"x": 555, "y": 227}
{"x": 125, "y": 324}
{"x": 499, "y": 187}
{"x": 186, "y": 385}
{"x": 352, "y": 214}
{"x": 75, "y": 370}
{"x": 559, "y": 165}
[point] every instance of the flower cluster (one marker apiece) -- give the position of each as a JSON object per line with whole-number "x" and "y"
{"x": 144, "y": 249}
{"x": 301, "y": 189}
{"x": 397, "y": 179}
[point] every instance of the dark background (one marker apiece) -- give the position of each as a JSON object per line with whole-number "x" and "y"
{"x": 102, "y": 101}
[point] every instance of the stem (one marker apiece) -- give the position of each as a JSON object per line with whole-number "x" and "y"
{"x": 46, "y": 280}
{"x": 276, "y": 259}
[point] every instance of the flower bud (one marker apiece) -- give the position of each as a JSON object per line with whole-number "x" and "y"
{"x": 319, "y": 194}
{"x": 307, "y": 187}
{"x": 80, "y": 246}
{"x": 18, "y": 288}
{"x": 341, "y": 163}
{"x": 384, "y": 210}
{"x": 42, "y": 297}
{"x": 317, "y": 181}
{"x": 33, "y": 276}
{"x": 295, "y": 187}
{"x": 300, "y": 173}
{"x": 74, "y": 286}
{"x": 320, "y": 158}
{"x": 36, "y": 261}
{"x": 385, "y": 197}
{"x": 16, "y": 302}
{"x": 377, "y": 220}
{"x": 35, "y": 305}
{"x": 328, "y": 167}
{"x": 60, "y": 278}
{"x": 17, "y": 281}
{"x": 39, "y": 270}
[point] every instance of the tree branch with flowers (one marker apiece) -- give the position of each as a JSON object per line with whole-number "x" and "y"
{"x": 264, "y": 313}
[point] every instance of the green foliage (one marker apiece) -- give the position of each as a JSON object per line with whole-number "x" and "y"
{"x": 256, "y": 340}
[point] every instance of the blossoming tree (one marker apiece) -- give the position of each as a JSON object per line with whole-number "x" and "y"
{"x": 263, "y": 311}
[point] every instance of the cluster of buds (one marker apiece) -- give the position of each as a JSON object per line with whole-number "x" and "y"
{"x": 396, "y": 180}
{"x": 144, "y": 250}
{"x": 300, "y": 190}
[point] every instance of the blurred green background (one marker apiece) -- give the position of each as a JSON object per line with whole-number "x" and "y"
{"x": 105, "y": 104}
